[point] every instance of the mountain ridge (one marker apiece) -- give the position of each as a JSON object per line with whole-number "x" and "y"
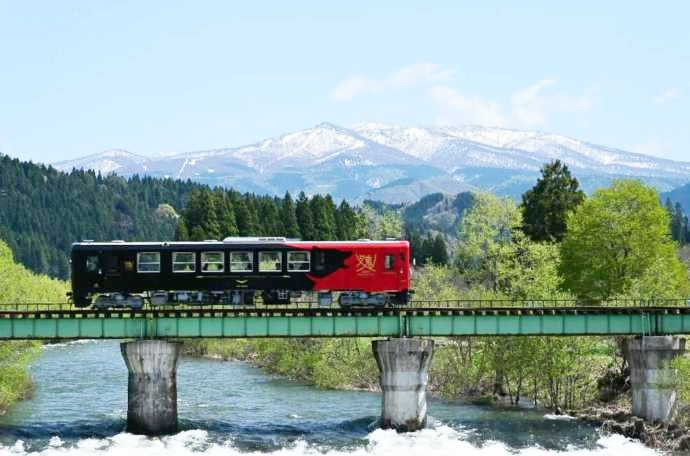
{"x": 371, "y": 160}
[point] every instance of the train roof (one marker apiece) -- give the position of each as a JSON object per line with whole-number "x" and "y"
{"x": 243, "y": 241}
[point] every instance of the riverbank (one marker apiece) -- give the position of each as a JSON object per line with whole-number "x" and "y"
{"x": 15, "y": 381}
{"x": 617, "y": 418}
{"x": 347, "y": 364}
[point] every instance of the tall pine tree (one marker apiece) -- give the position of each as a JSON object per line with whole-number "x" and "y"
{"x": 546, "y": 205}
{"x": 305, "y": 218}
{"x": 288, "y": 218}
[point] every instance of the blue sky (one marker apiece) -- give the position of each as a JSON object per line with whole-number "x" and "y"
{"x": 80, "y": 77}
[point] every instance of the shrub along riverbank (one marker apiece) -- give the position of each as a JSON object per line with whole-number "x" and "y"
{"x": 15, "y": 382}
{"x": 21, "y": 285}
{"x": 556, "y": 373}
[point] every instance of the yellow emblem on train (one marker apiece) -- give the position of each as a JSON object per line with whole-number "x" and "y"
{"x": 366, "y": 264}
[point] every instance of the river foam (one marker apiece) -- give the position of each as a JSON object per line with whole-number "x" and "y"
{"x": 440, "y": 441}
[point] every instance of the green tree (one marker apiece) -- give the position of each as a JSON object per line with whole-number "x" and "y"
{"x": 288, "y": 217}
{"x": 678, "y": 224}
{"x": 439, "y": 253}
{"x": 201, "y": 215}
{"x": 323, "y": 213}
{"x": 495, "y": 254}
{"x": 346, "y": 222}
{"x": 618, "y": 241}
{"x": 487, "y": 227}
{"x": 269, "y": 216}
{"x": 382, "y": 222}
{"x": 545, "y": 206}
{"x": 225, "y": 214}
{"x": 181, "y": 231}
{"x": 305, "y": 217}
{"x": 246, "y": 217}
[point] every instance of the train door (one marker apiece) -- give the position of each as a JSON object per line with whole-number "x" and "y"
{"x": 403, "y": 271}
{"x": 119, "y": 270}
{"x": 390, "y": 271}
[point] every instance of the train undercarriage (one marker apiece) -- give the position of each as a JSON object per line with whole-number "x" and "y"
{"x": 248, "y": 298}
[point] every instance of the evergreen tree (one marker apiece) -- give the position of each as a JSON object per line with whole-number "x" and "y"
{"x": 669, "y": 206}
{"x": 201, "y": 215}
{"x": 439, "y": 253}
{"x": 346, "y": 222}
{"x": 226, "y": 214}
{"x": 678, "y": 228}
{"x": 427, "y": 249}
{"x": 323, "y": 212}
{"x": 268, "y": 214}
{"x": 288, "y": 217}
{"x": 198, "y": 234}
{"x": 416, "y": 248}
{"x": 181, "y": 231}
{"x": 305, "y": 218}
{"x": 245, "y": 215}
{"x": 546, "y": 205}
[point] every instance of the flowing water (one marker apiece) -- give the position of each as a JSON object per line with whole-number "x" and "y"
{"x": 231, "y": 408}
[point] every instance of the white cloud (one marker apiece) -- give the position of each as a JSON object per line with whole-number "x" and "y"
{"x": 352, "y": 87}
{"x": 527, "y": 107}
{"x": 416, "y": 75}
{"x": 419, "y": 74}
{"x": 469, "y": 109}
{"x": 668, "y": 95}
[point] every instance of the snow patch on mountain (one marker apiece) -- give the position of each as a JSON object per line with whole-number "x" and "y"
{"x": 106, "y": 162}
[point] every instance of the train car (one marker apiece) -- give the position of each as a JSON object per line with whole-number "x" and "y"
{"x": 236, "y": 271}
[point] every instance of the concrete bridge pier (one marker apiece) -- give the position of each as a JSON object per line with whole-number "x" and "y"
{"x": 653, "y": 389}
{"x": 404, "y": 367}
{"x": 152, "y": 386}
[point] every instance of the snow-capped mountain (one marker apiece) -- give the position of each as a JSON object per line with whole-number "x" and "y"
{"x": 488, "y": 146}
{"x": 394, "y": 163}
{"x": 110, "y": 161}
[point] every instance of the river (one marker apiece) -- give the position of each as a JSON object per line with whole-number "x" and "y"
{"x": 231, "y": 408}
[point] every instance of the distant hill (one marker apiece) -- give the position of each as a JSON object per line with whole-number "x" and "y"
{"x": 43, "y": 211}
{"x": 437, "y": 213}
{"x": 393, "y": 163}
{"x": 679, "y": 195}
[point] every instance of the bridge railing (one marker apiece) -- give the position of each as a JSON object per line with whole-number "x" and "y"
{"x": 35, "y": 306}
{"x": 548, "y": 303}
{"x": 473, "y": 304}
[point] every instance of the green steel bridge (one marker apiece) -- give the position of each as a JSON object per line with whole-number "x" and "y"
{"x": 307, "y": 319}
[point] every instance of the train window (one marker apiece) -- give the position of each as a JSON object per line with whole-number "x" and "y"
{"x": 270, "y": 262}
{"x": 184, "y": 262}
{"x": 148, "y": 262}
{"x": 241, "y": 262}
{"x": 298, "y": 261}
{"x": 92, "y": 263}
{"x": 389, "y": 262}
{"x": 212, "y": 262}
